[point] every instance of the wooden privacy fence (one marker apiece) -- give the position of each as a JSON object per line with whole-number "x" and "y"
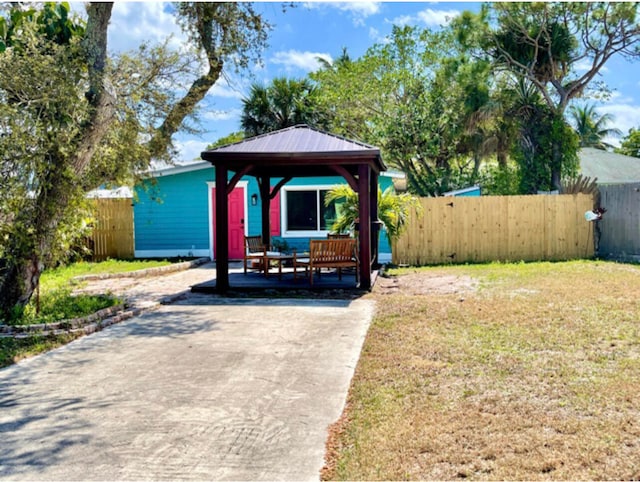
{"x": 113, "y": 231}
{"x": 497, "y": 228}
{"x": 620, "y": 225}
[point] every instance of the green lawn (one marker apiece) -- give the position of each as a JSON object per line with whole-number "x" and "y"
{"x": 498, "y": 371}
{"x": 62, "y": 277}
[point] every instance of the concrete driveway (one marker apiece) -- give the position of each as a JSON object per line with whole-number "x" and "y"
{"x": 203, "y": 389}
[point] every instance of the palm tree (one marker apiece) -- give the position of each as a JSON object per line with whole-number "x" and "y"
{"x": 284, "y": 103}
{"x": 337, "y": 64}
{"x": 592, "y": 127}
{"x": 393, "y": 209}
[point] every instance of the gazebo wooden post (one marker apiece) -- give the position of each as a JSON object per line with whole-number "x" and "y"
{"x": 375, "y": 225}
{"x": 265, "y": 204}
{"x": 364, "y": 234}
{"x": 221, "y": 237}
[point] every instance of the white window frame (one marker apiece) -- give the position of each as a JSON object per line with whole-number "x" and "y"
{"x": 283, "y": 210}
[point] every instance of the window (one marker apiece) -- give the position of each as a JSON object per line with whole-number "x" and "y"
{"x": 305, "y": 213}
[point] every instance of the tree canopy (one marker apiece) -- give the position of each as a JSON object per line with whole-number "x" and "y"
{"x": 283, "y": 103}
{"x": 72, "y": 118}
{"x": 591, "y": 127}
{"x": 630, "y": 145}
{"x": 542, "y": 44}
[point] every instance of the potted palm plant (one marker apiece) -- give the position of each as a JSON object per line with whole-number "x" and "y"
{"x": 393, "y": 210}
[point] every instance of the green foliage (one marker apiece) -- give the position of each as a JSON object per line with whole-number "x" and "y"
{"x": 41, "y": 114}
{"x": 60, "y": 305}
{"x": 283, "y": 103}
{"x": 229, "y": 139}
{"x": 14, "y": 349}
{"x": 62, "y": 276}
{"x": 541, "y": 44}
{"x": 630, "y": 145}
{"x": 230, "y": 32}
{"x": 54, "y": 22}
{"x": 592, "y": 127}
{"x": 56, "y": 302}
{"x": 500, "y": 180}
{"x": 413, "y": 97}
{"x": 73, "y": 119}
{"x": 393, "y": 209}
{"x": 547, "y": 145}
{"x": 552, "y": 50}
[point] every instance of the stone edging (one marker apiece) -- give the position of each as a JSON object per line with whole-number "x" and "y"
{"x": 141, "y": 273}
{"x": 65, "y": 326}
{"x": 87, "y": 324}
{"x": 107, "y": 316}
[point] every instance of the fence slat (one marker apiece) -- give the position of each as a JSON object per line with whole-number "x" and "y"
{"x": 497, "y": 228}
{"x": 112, "y": 235}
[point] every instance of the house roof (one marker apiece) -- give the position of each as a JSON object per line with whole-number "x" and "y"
{"x": 609, "y": 167}
{"x": 299, "y": 150}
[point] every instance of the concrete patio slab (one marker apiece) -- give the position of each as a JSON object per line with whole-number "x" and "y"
{"x": 204, "y": 389}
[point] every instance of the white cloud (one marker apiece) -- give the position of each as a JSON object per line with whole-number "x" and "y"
{"x": 225, "y": 90}
{"x": 133, "y": 23}
{"x": 437, "y": 18}
{"x": 359, "y": 11}
{"x": 403, "y": 20}
{"x": 585, "y": 64}
{"x": 428, "y": 17}
{"x": 619, "y": 98}
{"x": 190, "y": 149}
{"x": 363, "y": 9}
{"x": 625, "y": 116}
{"x": 222, "y": 115}
{"x": 294, "y": 59}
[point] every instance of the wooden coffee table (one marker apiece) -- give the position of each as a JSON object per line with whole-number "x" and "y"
{"x": 278, "y": 258}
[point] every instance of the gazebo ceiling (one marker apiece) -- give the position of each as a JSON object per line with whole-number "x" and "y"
{"x": 298, "y": 151}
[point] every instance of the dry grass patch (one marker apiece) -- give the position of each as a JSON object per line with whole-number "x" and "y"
{"x": 529, "y": 372}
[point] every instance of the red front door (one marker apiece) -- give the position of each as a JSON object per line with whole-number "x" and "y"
{"x": 236, "y": 221}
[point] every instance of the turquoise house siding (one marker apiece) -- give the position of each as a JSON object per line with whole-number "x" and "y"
{"x": 171, "y": 213}
{"x": 473, "y": 191}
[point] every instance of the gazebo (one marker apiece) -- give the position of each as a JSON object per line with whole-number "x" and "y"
{"x": 298, "y": 151}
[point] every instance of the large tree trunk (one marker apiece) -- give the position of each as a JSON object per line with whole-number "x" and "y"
{"x": 20, "y": 274}
{"x": 18, "y": 280}
{"x": 556, "y": 166}
{"x": 28, "y": 249}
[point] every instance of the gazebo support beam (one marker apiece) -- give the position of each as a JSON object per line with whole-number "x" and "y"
{"x": 221, "y": 238}
{"x": 375, "y": 225}
{"x": 237, "y": 176}
{"x": 347, "y": 177}
{"x": 277, "y": 187}
{"x": 265, "y": 205}
{"x": 364, "y": 233}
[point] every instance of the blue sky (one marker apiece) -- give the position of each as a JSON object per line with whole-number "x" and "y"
{"x": 314, "y": 29}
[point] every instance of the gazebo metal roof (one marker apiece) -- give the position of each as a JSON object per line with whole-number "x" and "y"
{"x": 298, "y": 151}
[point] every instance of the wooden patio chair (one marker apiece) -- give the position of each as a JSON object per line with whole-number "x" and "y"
{"x": 254, "y": 249}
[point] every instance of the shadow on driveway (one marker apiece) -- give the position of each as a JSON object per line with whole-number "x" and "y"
{"x": 224, "y": 389}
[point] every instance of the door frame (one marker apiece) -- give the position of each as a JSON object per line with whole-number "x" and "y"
{"x": 211, "y": 185}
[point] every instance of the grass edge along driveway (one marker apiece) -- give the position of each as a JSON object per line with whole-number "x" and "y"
{"x": 498, "y": 371}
